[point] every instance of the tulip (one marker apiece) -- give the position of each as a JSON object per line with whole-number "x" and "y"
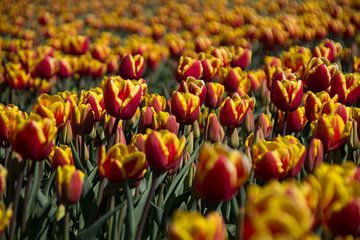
{"x": 188, "y": 67}
{"x": 241, "y": 58}
{"x": 214, "y": 94}
{"x": 265, "y": 205}
{"x": 119, "y": 132}
{"x": 185, "y": 107}
{"x": 220, "y": 172}
{"x": 328, "y": 49}
{"x": 286, "y": 92}
{"x": 122, "y": 162}
{"x": 65, "y": 68}
{"x": 47, "y": 67}
{"x": 138, "y": 140}
{"x": 233, "y": 110}
{"x": 314, "y": 102}
{"x": 76, "y": 45}
{"x": 202, "y": 43}
{"x": 157, "y": 101}
{"x": 16, "y": 77}
{"x": 296, "y": 58}
{"x": 122, "y": 97}
{"x": 10, "y": 116}
{"x": 95, "y": 98}
{"x": 264, "y": 123}
{"x": 234, "y": 79}
{"x": 279, "y": 158}
{"x": 163, "y": 150}
{"x": 315, "y": 154}
{"x": 83, "y": 119}
{"x": 53, "y": 107}
{"x": 176, "y": 46}
{"x": 61, "y": 156}
{"x": 213, "y": 130}
{"x": 194, "y": 86}
{"x": 295, "y": 121}
{"x": 346, "y": 87}
{"x": 96, "y": 68}
{"x": 69, "y": 184}
{"x": 318, "y": 74}
{"x": 100, "y": 52}
{"x": 192, "y": 225}
{"x": 256, "y": 78}
{"x": 42, "y": 132}
{"x": 6, "y": 216}
{"x": 132, "y": 67}
{"x": 211, "y": 67}
{"x": 339, "y": 200}
{"x": 332, "y": 130}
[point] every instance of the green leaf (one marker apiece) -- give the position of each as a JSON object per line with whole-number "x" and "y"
{"x": 180, "y": 176}
{"x": 130, "y": 218}
{"x": 140, "y": 205}
{"x": 77, "y": 161}
{"x": 91, "y": 232}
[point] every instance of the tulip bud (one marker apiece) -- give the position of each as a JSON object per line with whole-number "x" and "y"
{"x": 234, "y": 138}
{"x": 42, "y": 132}
{"x": 61, "y": 156}
{"x": 214, "y": 94}
{"x": 211, "y": 67}
{"x": 332, "y": 131}
{"x": 132, "y": 67}
{"x": 185, "y": 107}
{"x": 83, "y": 119}
{"x": 213, "y": 130}
{"x": 119, "y": 134}
{"x": 233, "y": 110}
{"x": 188, "y": 67}
{"x": 163, "y": 150}
{"x": 47, "y": 67}
{"x": 286, "y": 92}
{"x": 65, "y": 68}
{"x": 241, "y": 58}
{"x": 69, "y": 184}
{"x": 220, "y": 172}
{"x": 318, "y": 74}
{"x": 315, "y": 154}
{"x": 249, "y": 121}
{"x": 264, "y": 123}
{"x": 122, "y": 162}
{"x": 122, "y": 97}
{"x": 192, "y": 225}
{"x": 138, "y": 140}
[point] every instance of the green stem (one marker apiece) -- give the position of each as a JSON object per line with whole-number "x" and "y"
{"x": 16, "y": 201}
{"x": 285, "y": 123}
{"x": 130, "y": 226}
{"x": 29, "y": 185}
{"x": 66, "y": 224}
{"x": 147, "y": 206}
{"x": 112, "y": 137}
{"x": 111, "y": 222}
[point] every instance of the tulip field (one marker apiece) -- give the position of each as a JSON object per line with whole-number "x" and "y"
{"x": 180, "y": 120}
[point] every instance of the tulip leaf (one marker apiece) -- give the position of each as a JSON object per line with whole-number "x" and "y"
{"x": 91, "y": 231}
{"x": 130, "y": 216}
{"x": 77, "y": 160}
{"x": 180, "y": 176}
{"x": 141, "y": 203}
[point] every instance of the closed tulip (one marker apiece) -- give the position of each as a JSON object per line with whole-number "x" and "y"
{"x": 132, "y": 67}
{"x": 220, "y": 172}
{"x": 69, "y": 184}
{"x": 61, "y": 156}
{"x": 122, "y": 162}
{"x": 318, "y": 74}
{"x": 214, "y": 94}
{"x": 233, "y": 110}
{"x": 185, "y": 107}
{"x": 192, "y": 225}
{"x": 188, "y": 67}
{"x": 164, "y": 150}
{"x": 122, "y": 97}
{"x": 42, "y": 141}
